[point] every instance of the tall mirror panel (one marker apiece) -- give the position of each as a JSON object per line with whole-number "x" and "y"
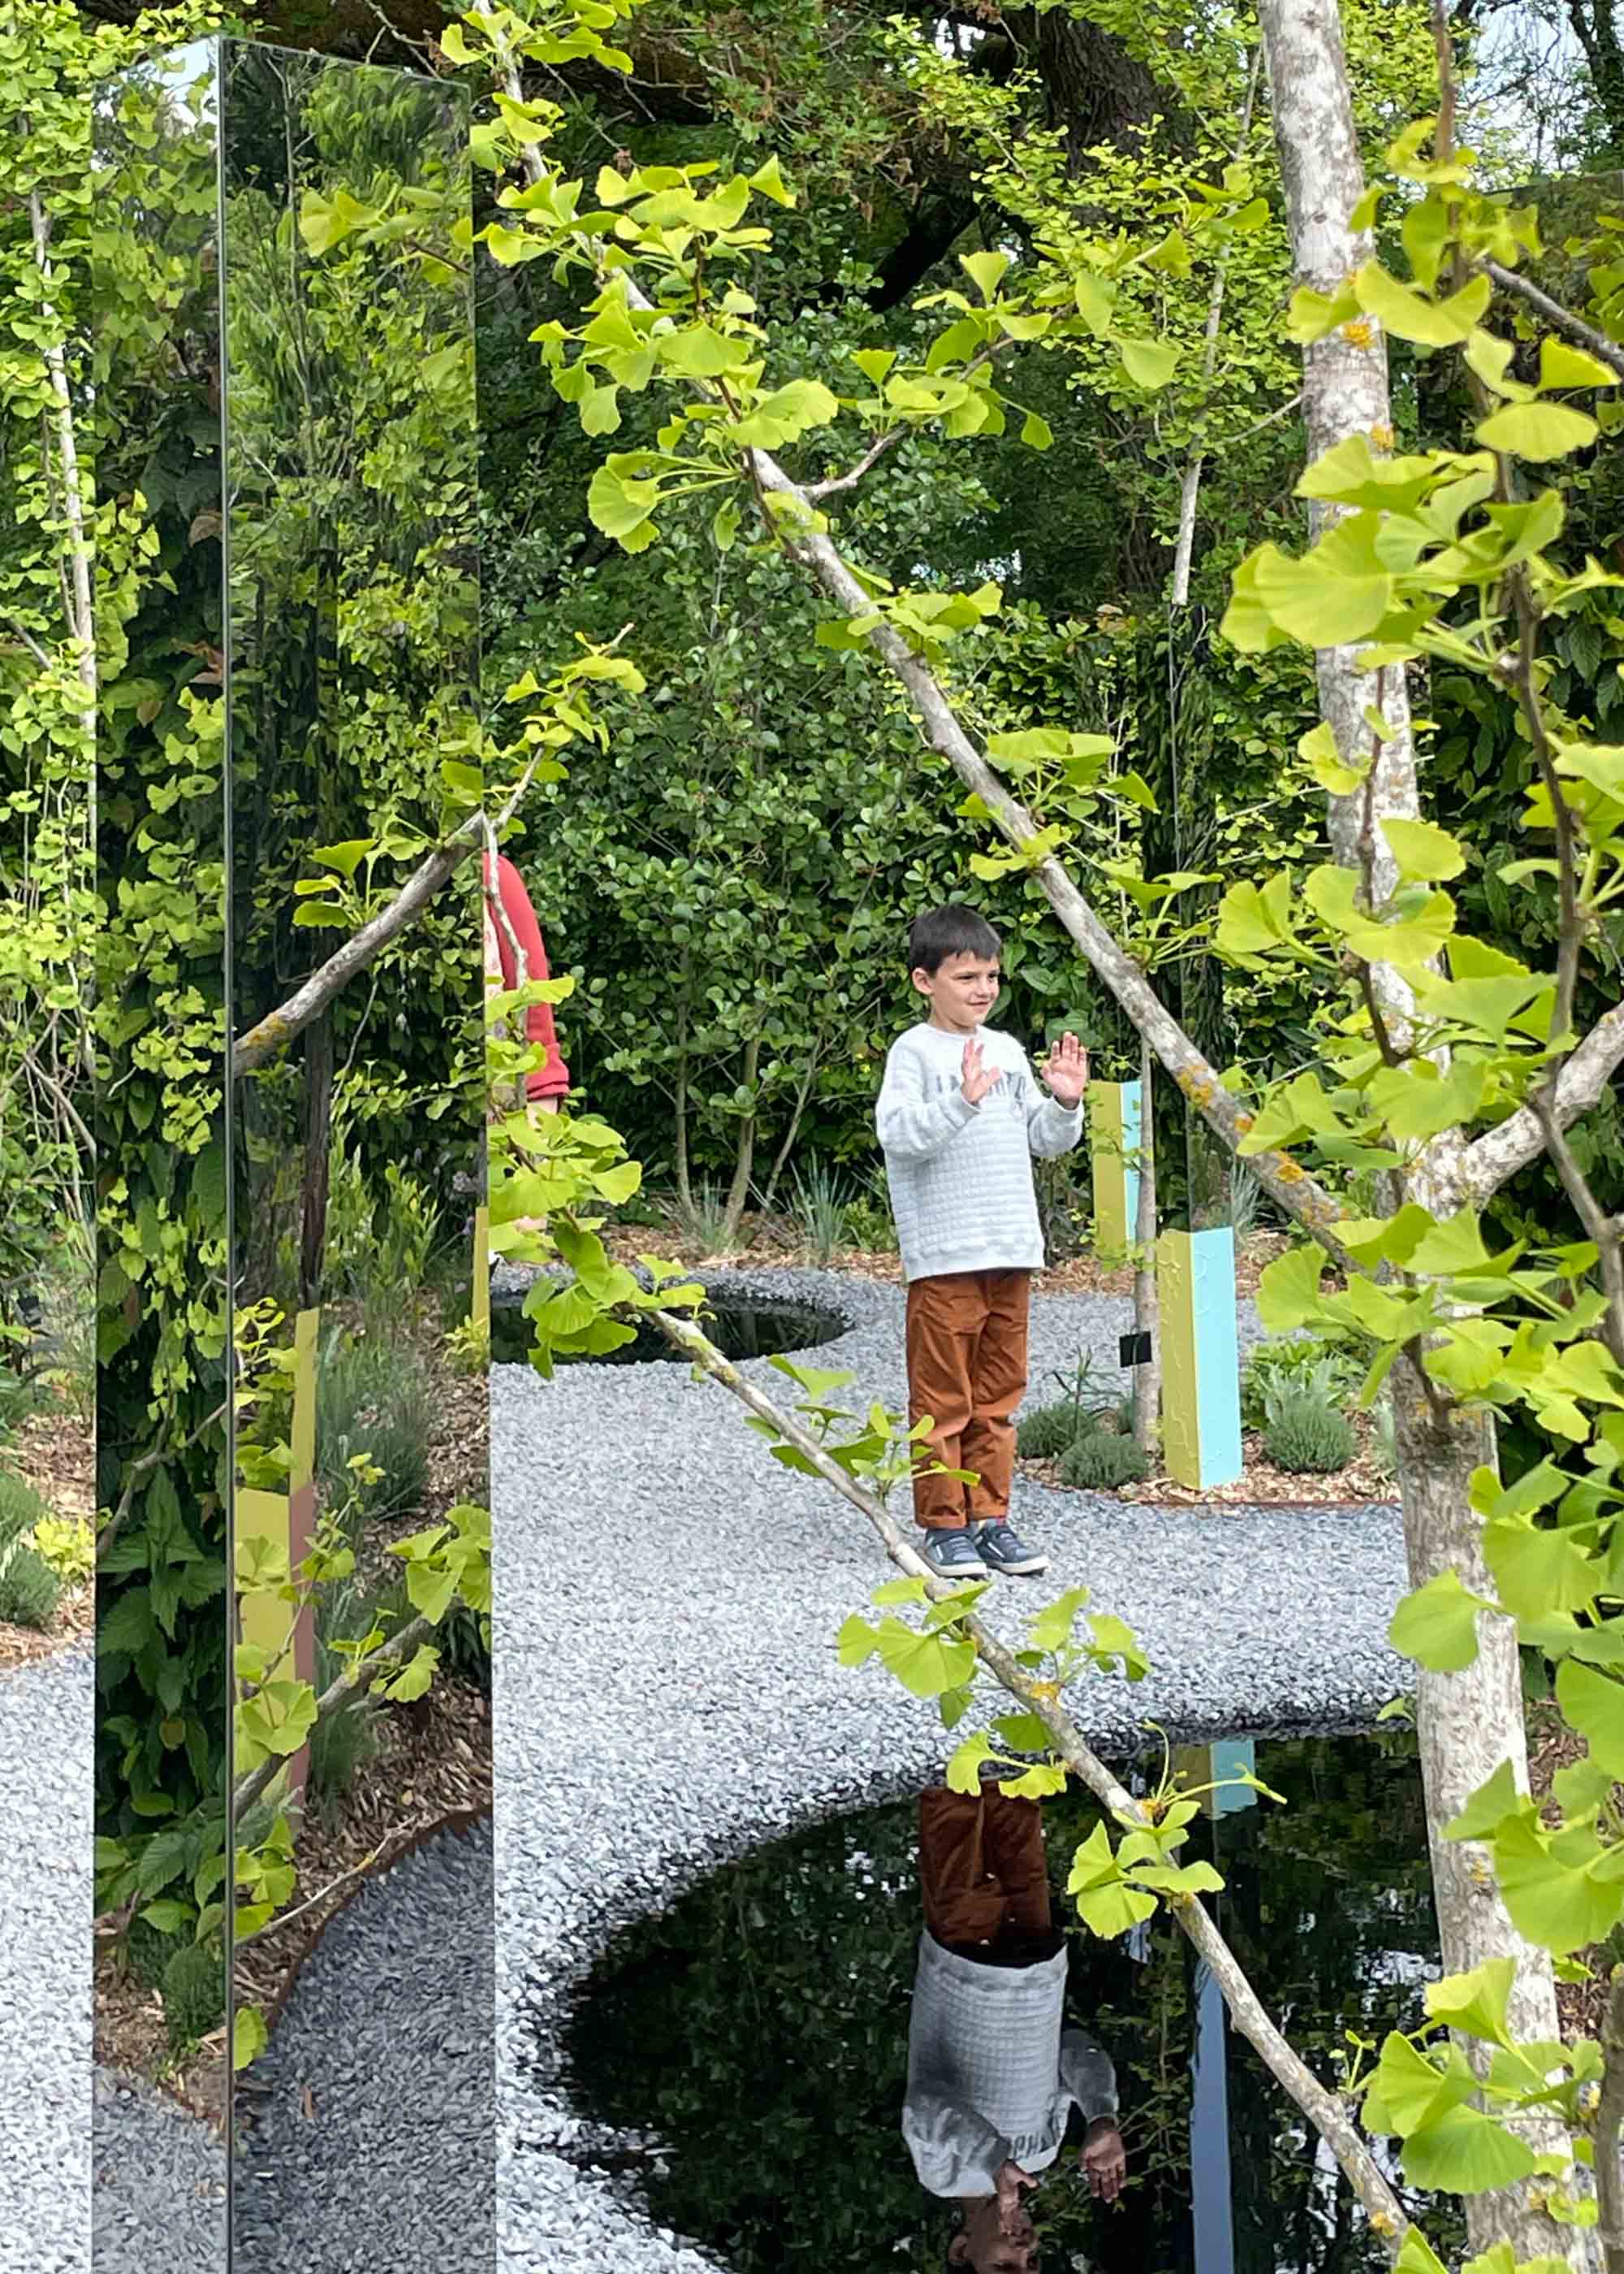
{"x": 362, "y": 1962}
{"x": 159, "y": 2188}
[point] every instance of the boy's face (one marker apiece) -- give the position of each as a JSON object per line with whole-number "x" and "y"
{"x": 961, "y": 991}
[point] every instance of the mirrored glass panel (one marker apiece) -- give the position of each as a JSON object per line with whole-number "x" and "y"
{"x": 361, "y": 1964}
{"x": 153, "y": 426}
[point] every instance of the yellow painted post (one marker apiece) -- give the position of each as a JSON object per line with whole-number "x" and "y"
{"x": 288, "y": 1522}
{"x": 1113, "y": 1134}
{"x": 480, "y": 1311}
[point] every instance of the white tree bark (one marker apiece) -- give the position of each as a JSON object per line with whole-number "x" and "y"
{"x": 1471, "y": 1722}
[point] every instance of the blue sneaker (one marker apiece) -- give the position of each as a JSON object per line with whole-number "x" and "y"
{"x": 1002, "y": 1550}
{"x": 951, "y": 1554}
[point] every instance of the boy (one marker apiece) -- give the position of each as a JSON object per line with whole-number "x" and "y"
{"x": 959, "y": 1117}
{"x": 993, "y": 2072}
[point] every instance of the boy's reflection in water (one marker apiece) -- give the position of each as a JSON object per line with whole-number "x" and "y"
{"x": 992, "y": 2074}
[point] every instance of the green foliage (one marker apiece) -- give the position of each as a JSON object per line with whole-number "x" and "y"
{"x": 341, "y": 1742}
{"x": 29, "y": 1589}
{"x": 1047, "y": 1430}
{"x": 66, "y": 1544}
{"x": 1099, "y": 1462}
{"x": 820, "y": 1208}
{"x": 147, "y": 1952}
{"x": 1288, "y": 1366}
{"x": 194, "y": 1995}
{"x": 1305, "y": 1436}
{"x": 373, "y": 1396}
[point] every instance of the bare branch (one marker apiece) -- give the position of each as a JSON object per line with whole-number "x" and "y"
{"x": 849, "y": 481}
{"x": 1582, "y": 334}
{"x": 1597, "y": 1224}
{"x": 1493, "y": 1159}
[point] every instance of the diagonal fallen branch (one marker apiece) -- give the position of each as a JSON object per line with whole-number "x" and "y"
{"x": 1324, "y": 2110}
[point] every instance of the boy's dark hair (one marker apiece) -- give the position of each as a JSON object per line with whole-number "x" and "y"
{"x": 942, "y": 932}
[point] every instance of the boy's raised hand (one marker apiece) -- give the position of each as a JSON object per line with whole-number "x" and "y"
{"x": 978, "y": 1078}
{"x": 1066, "y": 1070}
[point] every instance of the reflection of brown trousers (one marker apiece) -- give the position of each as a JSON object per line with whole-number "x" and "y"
{"x": 966, "y": 1344}
{"x": 984, "y": 1876}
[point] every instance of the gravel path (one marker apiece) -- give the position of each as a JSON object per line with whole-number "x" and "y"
{"x": 668, "y": 1692}
{"x": 45, "y": 1905}
{"x": 388, "y": 2029}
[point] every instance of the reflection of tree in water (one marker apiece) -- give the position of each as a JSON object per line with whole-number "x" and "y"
{"x": 758, "y": 2030}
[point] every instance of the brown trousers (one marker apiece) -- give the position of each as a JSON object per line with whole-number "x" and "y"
{"x": 966, "y": 1345}
{"x": 983, "y": 1874}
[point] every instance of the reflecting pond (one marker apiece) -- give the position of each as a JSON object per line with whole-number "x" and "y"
{"x": 758, "y": 2032}
{"x": 740, "y": 1330}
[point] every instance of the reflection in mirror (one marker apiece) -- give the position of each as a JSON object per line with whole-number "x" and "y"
{"x": 362, "y": 1962}
{"x": 838, "y": 2041}
{"x": 161, "y": 1326}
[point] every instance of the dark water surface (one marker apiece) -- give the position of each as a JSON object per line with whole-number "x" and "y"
{"x": 737, "y": 1330}
{"x": 758, "y": 2030}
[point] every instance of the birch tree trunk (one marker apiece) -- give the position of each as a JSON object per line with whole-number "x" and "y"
{"x": 1468, "y": 1722}
{"x": 1147, "y": 1305}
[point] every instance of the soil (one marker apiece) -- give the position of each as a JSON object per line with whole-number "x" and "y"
{"x": 433, "y": 1763}
{"x": 1261, "y": 1484}
{"x": 55, "y": 1452}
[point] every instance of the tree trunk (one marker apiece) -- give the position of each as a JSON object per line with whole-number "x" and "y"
{"x": 1468, "y": 1722}
{"x": 1146, "y": 1311}
{"x": 318, "y": 1145}
{"x": 745, "y": 1159}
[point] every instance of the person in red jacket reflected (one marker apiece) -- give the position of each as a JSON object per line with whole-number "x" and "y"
{"x": 548, "y": 1082}
{"x": 546, "y": 1085}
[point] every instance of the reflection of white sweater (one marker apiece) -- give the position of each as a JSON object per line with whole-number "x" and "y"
{"x": 960, "y": 1175}
{"x": 991, "y": 2075}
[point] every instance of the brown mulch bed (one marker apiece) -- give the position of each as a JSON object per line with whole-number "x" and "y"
{"x": 1261, "y": 1484}
{"x": 55, "y": 1452}
{"x": 433, "y": 1762}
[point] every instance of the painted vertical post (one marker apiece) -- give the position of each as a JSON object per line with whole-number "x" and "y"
{"x": 1200, "y": 1357}
{"x": 288, "y": 1522}
{"x": 1219, "y": 1764}
{"x": 1113, "y": 1134}
{"x": 479, "y": 1309}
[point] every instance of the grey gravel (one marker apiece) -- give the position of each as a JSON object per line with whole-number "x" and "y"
{"x": 45, "y": 1996}
{"x": 160, "y": 2199}
{"x": 667, "y": 1692}
{"x": 389, "y": 2169}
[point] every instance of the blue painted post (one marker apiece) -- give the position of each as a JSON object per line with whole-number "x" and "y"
{"x": 1200, "y": 1356}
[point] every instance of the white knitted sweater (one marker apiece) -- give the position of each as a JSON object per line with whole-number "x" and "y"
{"x": 960, "y": 1175}
{"x": 992, "y": 2073}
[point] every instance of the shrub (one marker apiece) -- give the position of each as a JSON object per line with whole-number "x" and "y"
{"x": 464, "y": 1650}
{"x": 820, "y": 1207}
{"x": 1308, "y": 1436}
{"x": 869, "y": 1224}
{"x": 1100, "y": 1460}
{"x": 194, "y": 1995}
{"x": 1293, "y": 1365}
{"x": 1047, "y": 1430}
{"x": 29, "y": 1589}
{"x": 65, "y": 1544}
{"x": 373, "y": 1397}
{"x": 343, "y": 1742}
{"x": 147, "y": 1952}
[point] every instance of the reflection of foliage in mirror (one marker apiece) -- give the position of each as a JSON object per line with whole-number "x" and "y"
{"x": 159, "y": 1023}
{"x": 758, "y": 2030}
{"x": 354, "y": 612}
